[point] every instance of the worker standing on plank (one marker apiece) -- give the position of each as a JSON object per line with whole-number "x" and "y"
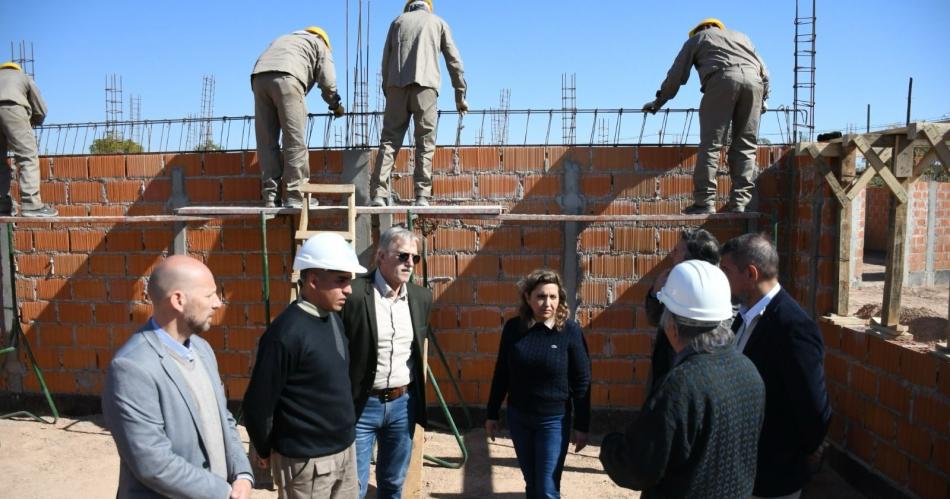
{"x": 281, "y": 79}
{"x": 735, "y": 86}
{"x": 411, "y": 80}
{"x": 21, "y": 108}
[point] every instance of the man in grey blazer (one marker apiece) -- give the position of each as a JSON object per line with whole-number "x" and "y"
{"x": 164, "y": 402}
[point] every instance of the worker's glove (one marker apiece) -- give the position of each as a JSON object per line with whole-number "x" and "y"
{"x": 765, "y": 107}
{"x": 336, "y": 105}
{"x": 338, "y": 111}
{"x": 461, "y": 105}
{"x": 651, "y": 107}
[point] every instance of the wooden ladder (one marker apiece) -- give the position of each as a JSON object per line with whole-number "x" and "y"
{"x": 304, "y": 231}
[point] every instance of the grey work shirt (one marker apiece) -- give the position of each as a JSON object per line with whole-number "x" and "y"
{"x": 712, "y": 50}
{"x": 411, "y": 53}
{"x": 304, "y": 56}
{"x": 17, "y": 88}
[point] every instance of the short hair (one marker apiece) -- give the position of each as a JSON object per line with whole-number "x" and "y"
{"x": 701, "y": 245}
{"x": 537, "y": 278}
{"x": 393, "y": 234}
{"x": 756, "y": 250}
{"x": 709, "y": 338}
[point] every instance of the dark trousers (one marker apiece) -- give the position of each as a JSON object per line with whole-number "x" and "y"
{"x": 541, "y": 446}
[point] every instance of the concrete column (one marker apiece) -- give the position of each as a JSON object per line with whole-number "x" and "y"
{"x": 356, "y": 171}
{"x": 572, "y": 203}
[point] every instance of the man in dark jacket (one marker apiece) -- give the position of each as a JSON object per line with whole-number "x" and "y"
{"x": 386, "y": 321}
{"x": 784, "y": 344}
{"x": 697, "y": 432}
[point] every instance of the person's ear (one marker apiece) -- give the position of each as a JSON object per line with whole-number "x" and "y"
{"x": 753, "y": 272}
{"x": 178, "y": 300}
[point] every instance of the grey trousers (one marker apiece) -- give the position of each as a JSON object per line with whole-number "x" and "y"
{"x": 327, "y": 477}
{"x": 280, "y": 107}
{"x": 16, "y": 136}
{"x": 734, "y": 96}
{"x": 402, "y": 102}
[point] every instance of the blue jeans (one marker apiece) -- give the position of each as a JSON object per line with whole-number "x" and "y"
{"x": 392, "y": 423}
{"x": 541, "y": 446}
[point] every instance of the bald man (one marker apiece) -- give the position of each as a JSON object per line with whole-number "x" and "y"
{"x": 164, "y": 402}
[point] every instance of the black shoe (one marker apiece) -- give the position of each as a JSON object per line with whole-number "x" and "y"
{"x": 44, "y": 211}
{"x": 733, "y": 208}
{"x": 699, "y": 209}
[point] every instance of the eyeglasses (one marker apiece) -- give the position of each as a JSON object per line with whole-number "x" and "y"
{"x": 404, "y": 257}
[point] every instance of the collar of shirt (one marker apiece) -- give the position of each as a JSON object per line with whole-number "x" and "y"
{"x": 183, "y": 350}
{"x": 683, "y": 354}
{"x": 385, "y": 290}
{"x": 311, "y": 309}
{"x": 548, "y": 323}
{"x": 759, "y": 308}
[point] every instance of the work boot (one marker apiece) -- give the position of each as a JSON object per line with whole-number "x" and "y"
{"x": 298, "y": 203}
{"x": 270, "y": 199}
{"x": 6, "y": 206}
{"x": 699, "y": 209}
{"x": 44, "y": 211}
{"x": 421, "y": 201}
{"x": 733, "y": 208}
{"x": 379, "y": 201}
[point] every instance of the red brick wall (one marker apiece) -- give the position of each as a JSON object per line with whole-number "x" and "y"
{"x": 892, "y": 408}
{"x": 877, "y": 218}
{"x": 81, "y": 288}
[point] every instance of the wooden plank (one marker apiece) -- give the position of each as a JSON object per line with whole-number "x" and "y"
{"x": 303, "y": 235}
{"x": 945, "y": 347}
{"x": 843, "y": 263}
{"x": 328, "y": 188}
{"x": 878, "y": 164}
{"x": 895, "y": 260}
{"x": 939, "y": 142}
{"x": 829, "y": 176}
{"x": 136, "y": 219}
{"x": 434, "y": 210}
{"x": 858, "y": 185}
{"x": 413, "y": 485}
{"x": 527, "y": 217}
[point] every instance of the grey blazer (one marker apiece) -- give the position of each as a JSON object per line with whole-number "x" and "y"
{"x": 154, "y": 421}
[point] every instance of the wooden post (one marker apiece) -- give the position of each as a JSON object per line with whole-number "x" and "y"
{"x": 413, "y": 484}
{"x": 897, "y": 232}
{"x": 945, "y": 346}
{"x": 843, "y": 262}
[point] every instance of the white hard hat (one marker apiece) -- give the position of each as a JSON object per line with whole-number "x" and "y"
{"x": 328, "y": 251}
{"x": 697, "y": 290}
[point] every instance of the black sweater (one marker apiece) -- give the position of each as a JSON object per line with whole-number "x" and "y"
{"x": 542, "y": 371}
{"x": 299, "y": 401}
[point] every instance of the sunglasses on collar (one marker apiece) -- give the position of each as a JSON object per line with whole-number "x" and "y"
{"x": 404, "y": 257}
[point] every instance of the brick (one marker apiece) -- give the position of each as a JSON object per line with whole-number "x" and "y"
{"x": 631, "y": 292}
{"x": 497, "y": 186}
{"x": 88, "y": 289}
{"x": 23, "y": 241}
{"x": 480, "y": 158}
{"x": 928, "y": 484}
{"x": 52, "y": 289}
{"x": 457, "y": 342}
{"x": 611, "y": 266}
{"x": 86, "y": 192}
{"x": 123, "y": 191}
{"x": 864, "y": 380}
{"x": 593, "y": 293}
{"x": 945, "y": 379}
{"x": 611, "y": 318}
{"x": 75, "y": 358}
{"x": 480, "y": 317}
{"x": 444, "y": 318}
{"x": 543, "y": 239}
{"x": 106, "y": 211}
{"x": 107, "y": 264}
{"x": 53, "y": 192}
{"x": 45, "y": 240}
{"x": 70, "y": 167}
{"x": 440, "y": 265}
{"x": 69, "y": 265}
{"x": 880, "y": 421}
{"x": 158, "y": 240}
{"x": 884, "y": 354}
{"x": 478, "y": 266}
{"x": 159, "y": 189}
{"x": 496, "y": 293}
{"x": 524, "y": 159}
{"x": 476, "y": 369}
{"x": 234, "y": 363}
{"x": 669, "y": 239}
{"x": 142, "y": 265}
{"x": 627, "y": 396}
{"x": 107, "y": 166}
{"x": 542, "y": 186}
{"x": 831, "y": 334}
{"x": 836, "y": 368}
{"x": 635, "y": 185}
{"x": 222, "y": 163}
{"x": 854, "y": 344}
{"x": 894, "y": 394}
{"x": 593, "y": 186}
{"x": 930, "y": 411}
{"x": 236, "y": 387}
{"x": 596, "y": 344}
{"x": 941, "y": 454}
{"x": 454, "y": 240}
{"x": 487, "y": 342}
{"x": 595, "y": 239}
{"x": 893, "y": 463}
{"x": 860, "y": 443}
{"x": 112, "y": 313}
{"x": 914, "y": 440}
{"x": 189, "y": 163}
{"x": 612, "y": 370}
{"x": 86, "y": 240}
{"x": 124, "y": 241}
{"x": 634, "y": 239}
{"x": 612, "y": 158}
{"x": 500, "y": 239}
{"x": 241, "y": 189}
{"x": 520, "y": 266}
{"x": 126, "y": 290}
{"x": 676, "y": 186}
{"x": 664, "y": 206}
{"x": 919, "y": 368}
{"x": 446, "y": 187}
{"x": 613, "y": 207}
{"x": 454, "y": 292}
{"x": 25, "y": 289}
{"x": 144, "y": 165}
{"x": 203, "y": 189}
{"x": 55, "y": 335}
{"x": 651, "y": 264}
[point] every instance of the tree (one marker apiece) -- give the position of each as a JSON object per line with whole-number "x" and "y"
{"x": 207, "y": 145}
{"x": 113, "y": 144}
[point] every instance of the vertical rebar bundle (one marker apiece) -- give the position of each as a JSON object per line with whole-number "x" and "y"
{"x": 113, "y": 106}
{"x": 568, "y": 107}
{"x": 499, "y": 121}
{"x": 206, "y": 136}
{"x": 803, "y": 125}
{"x": 23, "y": 57}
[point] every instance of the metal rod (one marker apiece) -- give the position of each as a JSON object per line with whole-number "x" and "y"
{"x": 910, "y": 95}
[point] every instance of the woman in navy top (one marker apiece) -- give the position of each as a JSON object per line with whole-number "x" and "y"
{"x": 543, "y": 369}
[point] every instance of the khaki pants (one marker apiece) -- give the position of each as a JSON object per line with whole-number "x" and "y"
{"x": 734, "y": 96}
{"x": 16, "y": 136}
{"x": 280, "y": 107}
{"x": 402, "y": 102}
{"x": 327, "y": 477}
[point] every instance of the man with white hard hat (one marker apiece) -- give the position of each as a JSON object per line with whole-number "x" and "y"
{"x": 698, "y": 431}
{"x": 299, "y": 406}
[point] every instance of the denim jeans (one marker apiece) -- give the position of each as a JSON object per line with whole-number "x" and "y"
{"x": 541, "y": 446}
{"x": 392, "y": 424}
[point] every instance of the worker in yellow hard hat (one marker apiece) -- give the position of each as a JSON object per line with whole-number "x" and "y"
{"x": 21, "y": 108}
{"x": 735, "y": 86}
{"x": 411, "y": 81}
{"x": 281, "y": 79}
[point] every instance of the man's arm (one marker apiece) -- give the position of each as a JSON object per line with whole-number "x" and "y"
{"x": 238, "y": 465}
{"x": 263, "y": 392}
{"x": 37, "y": 104}
{"x": 678, "y": 74}
{"x": 132, "y": 409}
{"x": 453, "y": 62}
{"x": 387, "y": 49}
{"x": 326, "y": 76}
{"x": 804, "y": 382}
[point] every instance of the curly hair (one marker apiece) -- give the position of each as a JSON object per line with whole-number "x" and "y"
{"x": 537, "y": 278}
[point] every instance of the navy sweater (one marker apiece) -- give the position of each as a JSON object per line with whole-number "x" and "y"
{"x": 542, "y": 371}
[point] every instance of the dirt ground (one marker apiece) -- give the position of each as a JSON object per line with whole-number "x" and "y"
{"x": 76, "y": 459}
{"x": 923, "y": 309}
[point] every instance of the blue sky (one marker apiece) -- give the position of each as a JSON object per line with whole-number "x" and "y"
{"x": 620, "y": 51}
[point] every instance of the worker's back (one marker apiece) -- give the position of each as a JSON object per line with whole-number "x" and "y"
{"x": 411, "y": 54}
{"x": 18, "y": 88}
{"x": 297, "y": 54}
{"x": 716, "y": 49}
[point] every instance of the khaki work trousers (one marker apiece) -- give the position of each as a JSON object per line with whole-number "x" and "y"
{"x": 734, "y": 96}
{"x": 280, "y": 107}
{"x": 16, "y": 136}
{"x": 327, "y": 477}
{"x": 421, "y": 103}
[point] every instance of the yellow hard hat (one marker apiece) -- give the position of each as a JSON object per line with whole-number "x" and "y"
{"x": 706, "y": 22}
{"x": 322, "y": 34}
{"x": 409, "y": 2}
{"x": 11, "y": 65}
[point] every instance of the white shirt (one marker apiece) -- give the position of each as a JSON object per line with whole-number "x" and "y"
{"x": 751, "y": 316}
{"x": 394, "y": 335}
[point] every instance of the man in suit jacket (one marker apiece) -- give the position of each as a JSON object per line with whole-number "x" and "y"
{"x": 164, "y": 402}
{"x": 784, "y": 344}
{"x": 386, "y": 320}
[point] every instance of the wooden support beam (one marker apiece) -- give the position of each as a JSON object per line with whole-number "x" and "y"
{"x": 843, "y": 262}
{"x": 945, "y": 346}
{"x": 895, "y": 260}
{"x": 878, "y": 164}
{"x": 840, "y": 194}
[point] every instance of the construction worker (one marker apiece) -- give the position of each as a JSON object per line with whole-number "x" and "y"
{"x": 21, "y": 108}
{"x": 698, "y": 431}
{"x": 411, "y": 80}
{"x": 281, "y": 79}
{"x": 735, "y": 86}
